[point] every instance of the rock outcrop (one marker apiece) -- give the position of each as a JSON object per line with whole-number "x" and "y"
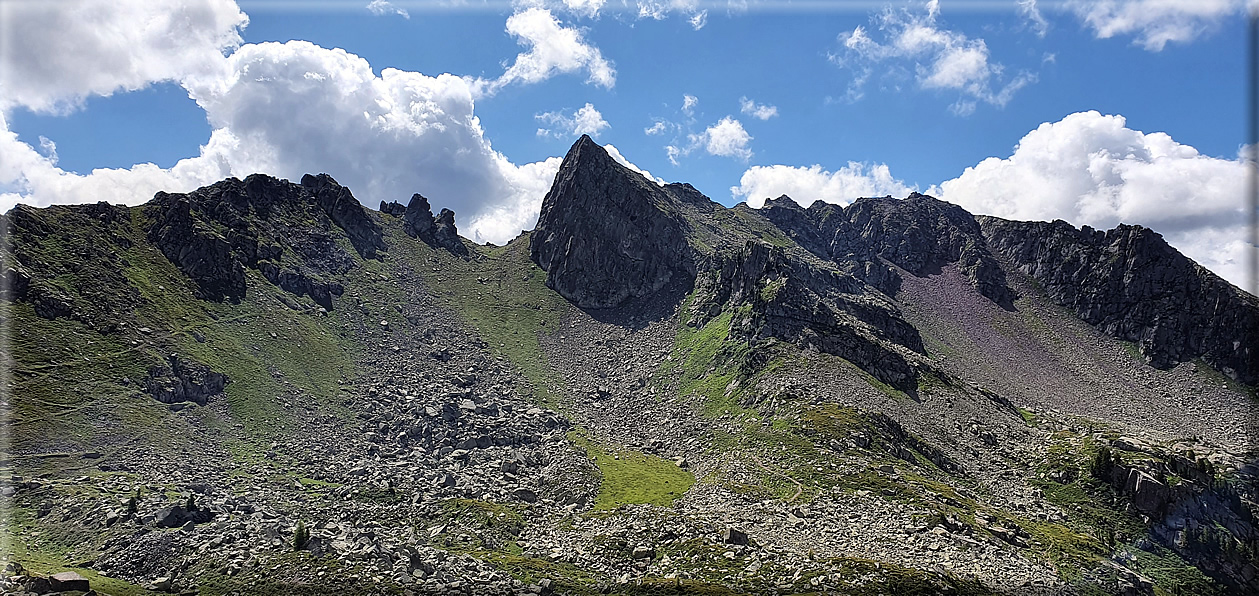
{"x": 440, "y": 231}
{"x": 919, "y": 234}
{"x": 201, "y": 252}
{"x": 785, "y": 298}
{"x": 1130, "y": 284}
{"x": 606, "y": 234}
{"x": 65, "y": 261}
{"x": 340, "y": 205}
{"x": 179, "y": 379}
{"x": 215, "y": 233}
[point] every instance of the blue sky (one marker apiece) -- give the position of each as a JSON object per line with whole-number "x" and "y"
{"x": 1126, "y": 110}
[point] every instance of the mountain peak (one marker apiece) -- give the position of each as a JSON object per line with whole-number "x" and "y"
{"x": 605, "y": 233}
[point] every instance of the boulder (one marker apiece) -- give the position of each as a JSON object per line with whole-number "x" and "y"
{"x": 183, "y": 380}
{"x": 734, "y": 536}
{"x": 67, "y": 581}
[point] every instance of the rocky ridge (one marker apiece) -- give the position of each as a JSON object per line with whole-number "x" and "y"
{"x": 794, "y": 400}
{"x": 1132, "y": 285}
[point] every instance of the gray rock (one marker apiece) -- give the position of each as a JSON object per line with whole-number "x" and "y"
{"x": 1129, "y": 283}
{"x": 734, "y": 536}
{"x": 68, "y": 580}
{"x": 606, "y": 234}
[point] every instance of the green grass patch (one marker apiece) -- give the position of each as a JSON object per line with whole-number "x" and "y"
{"x": 631, "y": 477}
{"x": 1029, "y": 418}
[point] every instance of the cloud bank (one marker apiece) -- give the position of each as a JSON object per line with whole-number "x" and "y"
{"x": 940, "y": 58}
{"x": 284, "y": 109}
{"x": 1091, "y": 169}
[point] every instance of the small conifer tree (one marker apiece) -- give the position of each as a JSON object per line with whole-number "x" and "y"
{"x": 1103, "y": 464}
{"x": 300, "y": 536}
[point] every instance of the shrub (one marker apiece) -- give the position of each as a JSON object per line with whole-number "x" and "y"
{"x": 1103, "y": 464}
{"x": 300, "y": 536}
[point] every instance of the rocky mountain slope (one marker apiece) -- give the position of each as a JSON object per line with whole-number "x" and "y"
{"x": 262, "y": 387}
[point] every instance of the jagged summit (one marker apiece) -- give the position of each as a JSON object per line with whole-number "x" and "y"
{"x": 857, "y": 393}
{"x": 606, "y": 234}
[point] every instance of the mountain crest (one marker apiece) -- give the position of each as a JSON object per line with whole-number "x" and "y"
{"x": 606, "y": 234}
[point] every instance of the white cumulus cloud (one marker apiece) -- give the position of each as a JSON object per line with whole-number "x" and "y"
{"x": 589, "y": 8}
{"x": 1155, "y": 23}
{"x": 53, "y": 55}
{"x": 940, "y": 58}
{"x": 552, "y": 49}
{"x": 726, "y": 138}
{"x": 755, "y": 110}
{"x": 281, "y": 108}
{"x": 1091, "y": 169}
{"x": 381, "y": 8}
{"x": 293, "y": 108}
{"x": 806, "y": 185}
{"x": 586, "y": 120}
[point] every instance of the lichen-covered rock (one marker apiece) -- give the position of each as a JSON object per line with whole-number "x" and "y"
{"x": 345, "y": 211}
{"x": 180, "y": 379}
{"x": 919, "y": 234}
{"x": 606, "y": 234}
{"x": 1129, "y": 283}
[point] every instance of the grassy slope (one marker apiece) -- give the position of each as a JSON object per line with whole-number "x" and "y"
{"x": 501, "y": 294}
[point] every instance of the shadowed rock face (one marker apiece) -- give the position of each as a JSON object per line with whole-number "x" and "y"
{"x": 606, "y": 234}
{"x": 919, "y": 234}
{"x": 792, "y": 300}
{"x": 418, "y": 222}
{"x": 214, "y": 233}
{"x": 1132, "y": 285}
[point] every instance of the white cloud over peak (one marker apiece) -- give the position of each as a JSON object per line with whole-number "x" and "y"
{"x": 588, "y": 8}
{"x": 726, "y": 138}
{"x": 53, "y": 55}
{"x": 1155, "y": 23}
{"x": 1091, "y": 169}
{"x": 806, "y": 185}
{"x": 381, "y": 8}
{"x": 586, "y": 120}
{"x": 941, "y": 58}
{"x": 616, "y": 154}
{"x": 755, "y": 110}
{"x": 293, "y": 108}
{"x": 552, "y": 49}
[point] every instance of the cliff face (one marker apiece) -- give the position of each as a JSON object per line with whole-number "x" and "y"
{"x": 214, "y": 233}
{"x": 606, "y": 234}
{"x": 919, "y": 234}
{"x": 1132, "y": 285}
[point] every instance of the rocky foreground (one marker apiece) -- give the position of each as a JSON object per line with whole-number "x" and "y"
{"x": 262, "y": 387}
